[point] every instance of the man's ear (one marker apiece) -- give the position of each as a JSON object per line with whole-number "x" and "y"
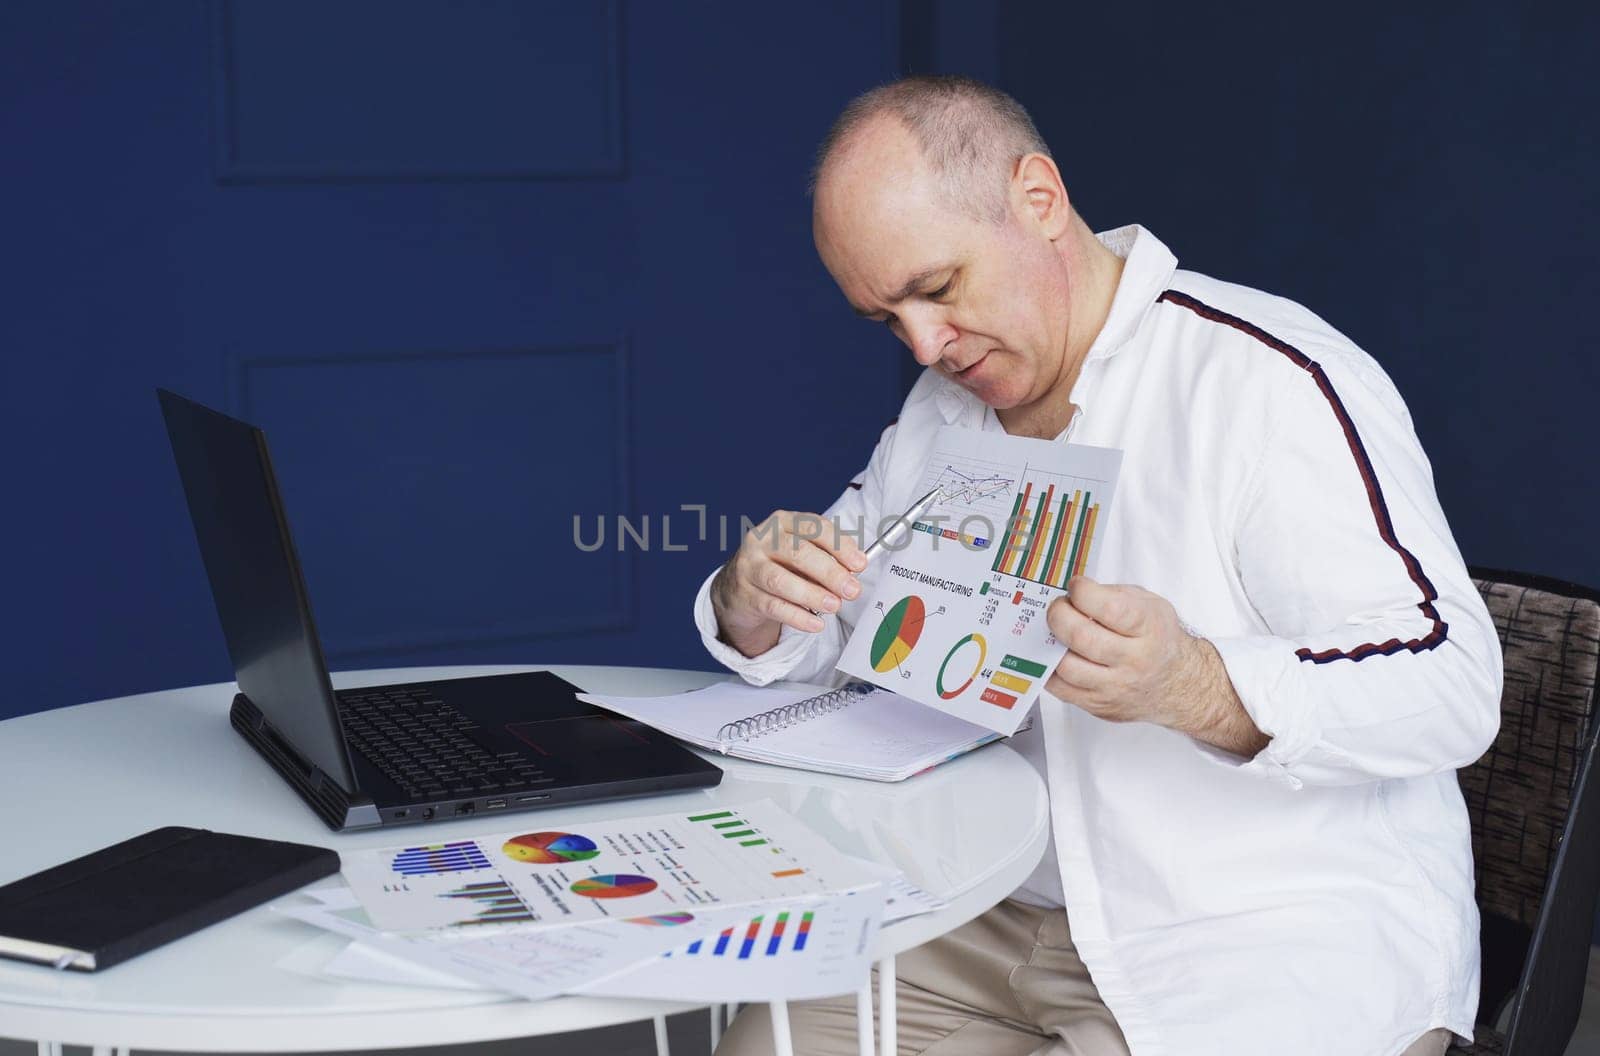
{"x": 1044, "y": 198}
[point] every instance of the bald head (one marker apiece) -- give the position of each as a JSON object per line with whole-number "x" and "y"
{"x": 969, "y": 136}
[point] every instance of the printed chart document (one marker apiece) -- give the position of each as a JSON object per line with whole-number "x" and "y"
{"x": 957, "y": 620}
{"x": 366, "y": 961}
{"x": 533, "y": 964}
{"x": 791, "y": 951}
{"x": 553, "y": 873}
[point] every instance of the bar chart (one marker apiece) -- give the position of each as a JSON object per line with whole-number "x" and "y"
{"x": 460, "y": 856}
{"x": 495, "y": 902}
{"x": 1048, "y": 536}
{"x": 730, "y": 826}
{"x": 757, "y": 938}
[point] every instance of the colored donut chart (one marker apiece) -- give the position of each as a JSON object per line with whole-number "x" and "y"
{"x": 613, "y": 885}
{"x": 981, "y": 654}
{"x": 897, "y": 635}
{"x": 550, "y": 848}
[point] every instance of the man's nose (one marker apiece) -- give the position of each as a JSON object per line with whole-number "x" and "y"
{"x": 928, "y": 339}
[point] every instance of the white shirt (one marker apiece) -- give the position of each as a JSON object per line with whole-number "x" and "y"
{"x": 1043, "y": 886}
{"x": 1317, "y": 898}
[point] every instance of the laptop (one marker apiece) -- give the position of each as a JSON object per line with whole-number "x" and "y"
{"x": 397, "y": 754}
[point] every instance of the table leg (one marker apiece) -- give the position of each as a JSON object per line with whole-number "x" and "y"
{"x": 53, "y": 1048}
{"x": 886, "y": 1009}
{"x": 782, "y": 1043}
{"x": 864, "y": 1018}
{"x": 716, "y": 1027}
{"x": 662, "y": 1047}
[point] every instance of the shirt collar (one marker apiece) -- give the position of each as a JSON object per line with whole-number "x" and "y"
{"x": 1146, "y": 272}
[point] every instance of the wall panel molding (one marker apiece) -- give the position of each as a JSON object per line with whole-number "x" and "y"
{"x": 260, "y": 390}
{"x": 371, "y": 91}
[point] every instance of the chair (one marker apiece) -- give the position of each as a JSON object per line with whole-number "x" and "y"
{"x": 1534, "y": 801}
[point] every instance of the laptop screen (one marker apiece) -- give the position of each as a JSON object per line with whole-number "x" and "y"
{"x": 255, "y": 578}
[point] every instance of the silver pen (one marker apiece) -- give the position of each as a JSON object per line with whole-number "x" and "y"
{"x": 891, "y": 534}
{"x": 905, "y": 520}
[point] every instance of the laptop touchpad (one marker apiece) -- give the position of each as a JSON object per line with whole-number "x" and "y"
{"x": 585, "y": 736}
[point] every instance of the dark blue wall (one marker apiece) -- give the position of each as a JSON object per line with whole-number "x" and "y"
{"x": 475, "y": 269}
{"x": 1424, "y": 177}
{"x": 479, "y": 269}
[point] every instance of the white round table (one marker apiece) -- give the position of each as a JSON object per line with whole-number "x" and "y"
{"x": 83, "y": 777}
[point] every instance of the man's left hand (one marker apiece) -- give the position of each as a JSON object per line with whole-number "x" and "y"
{"x": 1129, "y": 659}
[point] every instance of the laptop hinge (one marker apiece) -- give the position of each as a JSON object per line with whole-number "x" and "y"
{"x": 334, "y": 804}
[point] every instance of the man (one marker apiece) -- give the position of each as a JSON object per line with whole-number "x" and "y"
{"x": 1258, "y": 841}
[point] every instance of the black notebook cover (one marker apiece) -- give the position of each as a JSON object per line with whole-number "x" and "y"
{"x": 118, "y": 902}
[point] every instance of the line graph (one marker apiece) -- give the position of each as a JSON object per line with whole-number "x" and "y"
{"x": 968, "y": 489}
{"x": 971, "y": 486}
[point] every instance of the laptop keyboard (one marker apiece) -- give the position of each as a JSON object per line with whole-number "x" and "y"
{"x": 423, "y": 745}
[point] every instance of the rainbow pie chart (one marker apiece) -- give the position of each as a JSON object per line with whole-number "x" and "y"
{"x": 614, "y": 885}
{"x": 663, "y": 920}
{"x": 961, "y": 665}
{"x": 550, "y": 848}
{"x": 897, "y": 634}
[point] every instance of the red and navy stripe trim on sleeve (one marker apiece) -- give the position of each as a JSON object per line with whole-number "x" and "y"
{"x": 1380, "y": 509}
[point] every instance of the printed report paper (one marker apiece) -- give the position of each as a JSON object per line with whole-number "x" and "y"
{"x": 789, "y": 951}
{"x": 559, "y": 873}
{"x": 367, "y": 962}
{"x": 533, "y": 964}
{"x": 957, "y": 620}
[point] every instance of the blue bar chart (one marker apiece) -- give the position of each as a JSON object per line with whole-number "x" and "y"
{"x": 461, "y": 856}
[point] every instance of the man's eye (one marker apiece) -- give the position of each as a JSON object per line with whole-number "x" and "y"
{"x": 942, "y": 290}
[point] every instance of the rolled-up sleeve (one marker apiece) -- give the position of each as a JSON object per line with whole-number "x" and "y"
{"x": 796, "y": 655}
{"x": 799, "y": 655}
{"x": 1380, "y": 659}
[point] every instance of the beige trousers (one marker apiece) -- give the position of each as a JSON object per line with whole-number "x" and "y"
{"x": 1006, "y": 984}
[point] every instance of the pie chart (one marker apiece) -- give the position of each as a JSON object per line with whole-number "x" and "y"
{"x": 663, "y": 920}
{"x": 897, "y": 634}
{"x": 962, "y": 664}
{"x": 550, "y": 848}
{"x": 613, "y": 885}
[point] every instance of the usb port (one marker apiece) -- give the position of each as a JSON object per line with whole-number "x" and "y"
{"x": 494, "y": 804}
{"x": 534, "y": 798}
{"x": 464, "y": 808}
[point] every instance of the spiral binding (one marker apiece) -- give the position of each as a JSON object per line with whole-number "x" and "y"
{"x": 775, "y": 719}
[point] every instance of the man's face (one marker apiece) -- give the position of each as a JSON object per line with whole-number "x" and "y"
{"x": 984, "y": 304}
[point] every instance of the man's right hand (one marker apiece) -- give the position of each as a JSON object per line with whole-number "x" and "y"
{"x": 788, "y": 568}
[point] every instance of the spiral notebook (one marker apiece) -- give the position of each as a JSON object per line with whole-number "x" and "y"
{"x": 857, "y": 730}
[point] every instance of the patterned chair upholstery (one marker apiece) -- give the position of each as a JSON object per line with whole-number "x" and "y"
{"x": 1534, "y": 803}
